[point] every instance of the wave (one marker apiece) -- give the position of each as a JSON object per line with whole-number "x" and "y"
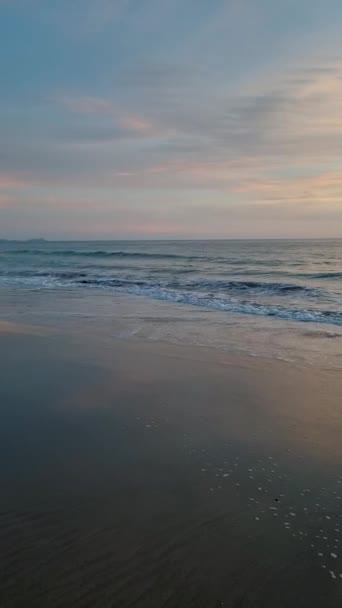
{"x": 15, "y": 274}
{"x": 264, "y": 287}
{"x": 202, "y": 285}
{"x": 101, "y": 253}
{"x": 325, "y": 275}
{"x": 96, "y": 254}
{"x": 228, "y": 305}
{"x": 229, "y": 296}
{"x": 280, "y": 273}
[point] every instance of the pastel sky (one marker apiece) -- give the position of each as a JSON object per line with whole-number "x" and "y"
{"x": 170, "y": 118}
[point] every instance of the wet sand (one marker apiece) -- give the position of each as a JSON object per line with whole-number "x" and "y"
{"x": 151, "y": 475}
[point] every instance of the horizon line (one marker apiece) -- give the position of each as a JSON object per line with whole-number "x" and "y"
{"x": 165, "y": 240}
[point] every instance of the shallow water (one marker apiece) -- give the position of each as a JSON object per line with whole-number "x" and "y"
{"x": 118, "y": 315}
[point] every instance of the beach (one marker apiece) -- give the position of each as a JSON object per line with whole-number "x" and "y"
{"x": 170, "y": 304}
{"x": 144, "y": 473}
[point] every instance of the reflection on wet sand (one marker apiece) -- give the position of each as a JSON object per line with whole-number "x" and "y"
{"x": 148, "y": 475}
{"x": 10, "y": 327}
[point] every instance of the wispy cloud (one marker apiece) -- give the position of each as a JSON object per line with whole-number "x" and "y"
{"x": 86, "y": 105}
{"x": 5, "y": 201}
{"x": 171, "y": 108}
{"x": 106, "y": 120}
{"x": 9, "y": 181}
{"x": 10, "y": 186}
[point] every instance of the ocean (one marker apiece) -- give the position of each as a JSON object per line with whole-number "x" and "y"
{"x": 287, "y": 286}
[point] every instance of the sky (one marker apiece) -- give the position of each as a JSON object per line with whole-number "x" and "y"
{"x": 140, "y": 119}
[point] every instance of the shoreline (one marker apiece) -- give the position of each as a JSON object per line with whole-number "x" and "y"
{"x": 147, "y": 320}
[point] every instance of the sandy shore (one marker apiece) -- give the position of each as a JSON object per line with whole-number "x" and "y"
{"x": 150, "y": 475}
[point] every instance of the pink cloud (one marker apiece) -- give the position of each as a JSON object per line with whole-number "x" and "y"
{"x": 154, "y": 228}
{"x": 135, "y": 123}
{"x": 323, "y": 187}
{"x": 98, "y": 105}
{"x": 6, "y": 201}
{"x": 141, "y": 125}
{"x": 10, "y": 181}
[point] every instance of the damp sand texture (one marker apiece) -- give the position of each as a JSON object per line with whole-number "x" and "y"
{"x": 152, "y": 475}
